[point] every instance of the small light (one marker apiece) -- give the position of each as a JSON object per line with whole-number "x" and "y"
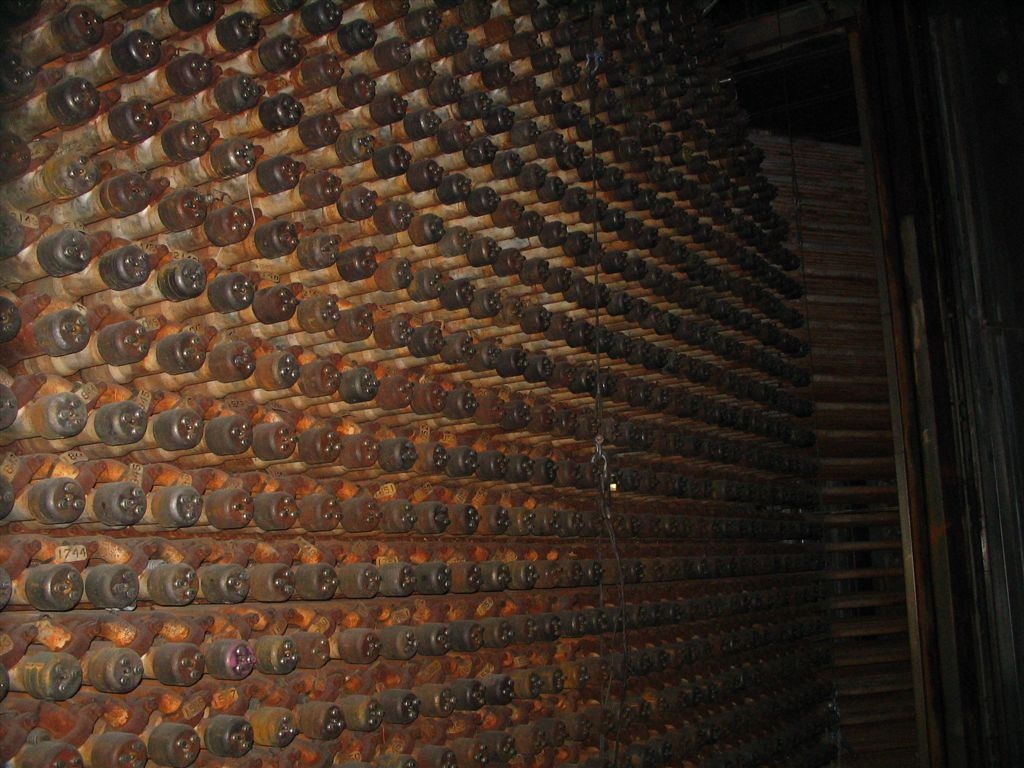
{"x": 613, "y": 486}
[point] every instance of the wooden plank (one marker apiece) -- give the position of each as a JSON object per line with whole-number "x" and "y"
{"x": 866, "y": 494}
{"x": 861, "y": 546}
{"x": 867, "y": 684}
{"x": 852, "y": 469}
{"x": 869, "y": 600}
{"x": 862, "y": 654}
{"x": 869, "y": 627}
{"x": 839, "y": 415}
{"x": 865, "y": 573}
{"x": 869, "y": 518}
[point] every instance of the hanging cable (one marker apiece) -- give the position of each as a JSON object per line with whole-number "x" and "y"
{"x": 599, "y": 460}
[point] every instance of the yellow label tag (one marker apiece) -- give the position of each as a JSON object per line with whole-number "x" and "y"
{"x": 484, "y": 607}
{"x": 70, "y": 553}
{"x": 422, "y": 492}
{"x": 273, "y": 277}
{"x": 386, "y": 491}
{"x": 401, "y": 616}
{"x": 134, "y": 475}
{"x": 76, "y": 147}
{"x": 530, "y": 503}
{"x": 387, "y": 559}
{"x": 6, "y": 644}
{"x": 72, "y": 457}
{"x": 424, "y": 431}
{"x": 321, "y": 625}
{"x": 432, "y": 670}
{"x": 9, "y": 467}
{"x": 144, "y": 398}
{"x": 88, "y": 392}
{"x": 461, "y": 495}
{"x": 5, "y": 378}
{"x": 25, "y": 219}
{"x": 184, "y": 479}
{"x": 224, "y": 698}
{"x": 149, "y": 324}
{"x": 447, "y": 438}
{"x": 506, "y": 499}
{"x": 479, "y": 499}
{"x": 192, "y": 707}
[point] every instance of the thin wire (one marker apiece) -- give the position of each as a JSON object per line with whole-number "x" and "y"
{"x": 248, "y": 191}
{"x": 593, "y": 64}
{"x": 600, "y": 458}
{"x": 837, "y": 737}
{"x": 622, "y": 615}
